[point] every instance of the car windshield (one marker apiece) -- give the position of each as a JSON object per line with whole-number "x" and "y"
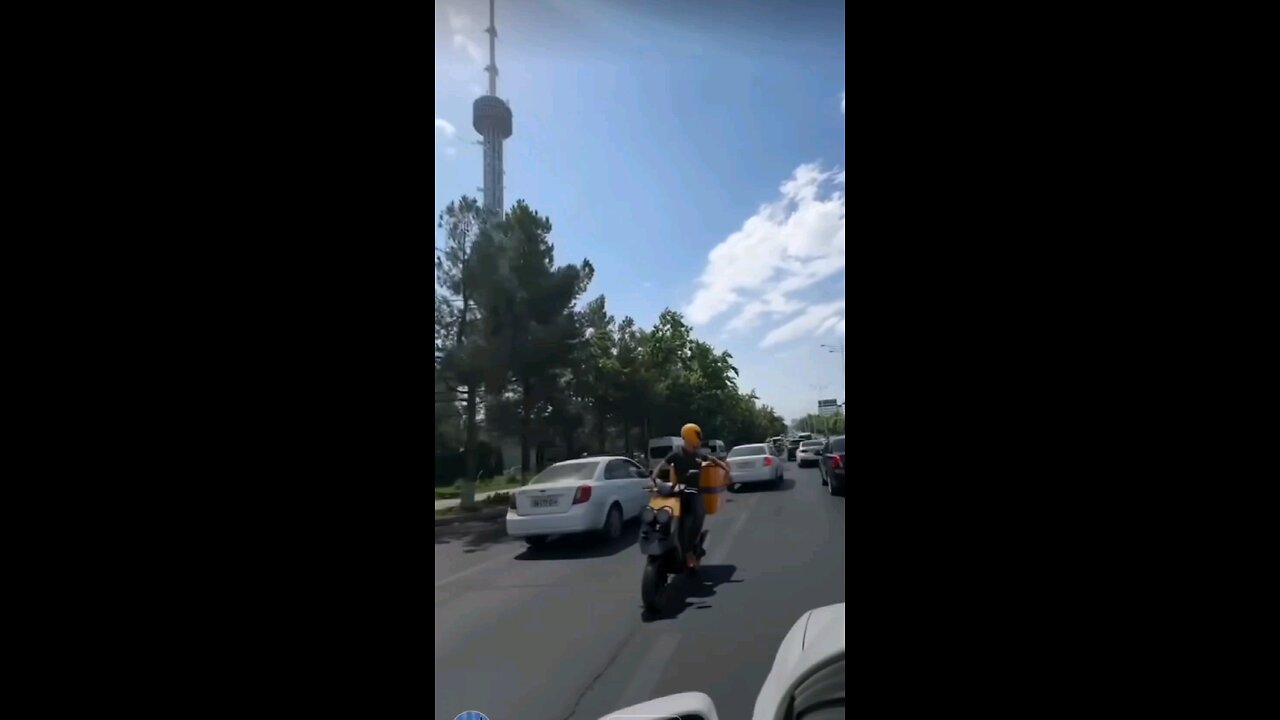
{"x": 747, "y": 451}
{"x": 660, "y": 452}
{"x": 566, "y": 471}
{"x": 837, "y": 445}
{"x": 811, "y": 444}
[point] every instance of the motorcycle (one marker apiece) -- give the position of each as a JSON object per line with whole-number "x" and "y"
{"x": 663, "y": 541}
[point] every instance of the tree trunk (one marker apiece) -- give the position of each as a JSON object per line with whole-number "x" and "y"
{"x": 526, "y": 410}
{"x": 568, "y": 441}
{"x": 470, "y": 444}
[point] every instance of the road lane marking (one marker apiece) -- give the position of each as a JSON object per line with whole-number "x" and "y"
{"x": 649, "y": 673}
{"x": 468, "y": 571}
{"x": 720, "y": 545}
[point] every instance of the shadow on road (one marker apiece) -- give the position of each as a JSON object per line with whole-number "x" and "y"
{"x": 585, "y": 545}
{"x": 474, "y": 536}
{"x": 692, "y": 591}
{"x": 742, "y": 489}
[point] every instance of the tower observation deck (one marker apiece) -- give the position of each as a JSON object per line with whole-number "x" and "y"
{"x": 491, "y": 117}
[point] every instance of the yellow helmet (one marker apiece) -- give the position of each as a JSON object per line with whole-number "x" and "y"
{"x": 692, "y": 435}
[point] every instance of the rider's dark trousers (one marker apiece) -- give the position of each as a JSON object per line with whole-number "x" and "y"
{"x": 694, "y": 512}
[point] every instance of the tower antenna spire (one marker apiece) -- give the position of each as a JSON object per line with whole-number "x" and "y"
{"x": 492, "y": 67}
{"x": 491, "y": 117}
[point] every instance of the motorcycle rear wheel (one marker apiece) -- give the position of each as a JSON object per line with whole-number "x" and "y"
{"x": 652, "y": 584}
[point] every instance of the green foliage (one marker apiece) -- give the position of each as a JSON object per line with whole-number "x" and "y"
{"x": 506, "y": 319}
{"x": 821, "y": 424}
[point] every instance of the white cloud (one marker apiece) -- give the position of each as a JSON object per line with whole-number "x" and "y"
{"x": 470, "y": 46}
{"x": 817, "y": 320}
{"x": 773, "y": 303}
{"x": 460, "y": 24}
{"x": 458, "y": 21}
{"x": 446, "y": 127}
{"x": 789, "y": 244}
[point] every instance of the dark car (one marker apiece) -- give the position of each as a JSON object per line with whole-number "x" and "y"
{"x": 833, "y": 466}
{"x": 792, "y": 445}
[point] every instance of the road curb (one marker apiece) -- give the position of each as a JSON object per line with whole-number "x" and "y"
{"x": 485, "y": 515}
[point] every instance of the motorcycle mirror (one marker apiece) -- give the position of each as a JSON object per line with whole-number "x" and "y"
{"x": 686, "y": 706}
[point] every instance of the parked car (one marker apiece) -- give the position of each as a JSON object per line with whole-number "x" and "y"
{"x": 810, "y": 452}
{"x": 755, "y": 464}
{"x": 716, "y": 448}
{"x": 594, "y": 494}
{"x": 833, "y": 466}
{"x": 662, "y": 447}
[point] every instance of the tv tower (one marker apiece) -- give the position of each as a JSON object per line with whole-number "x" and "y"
{"x": 491, "y": 117}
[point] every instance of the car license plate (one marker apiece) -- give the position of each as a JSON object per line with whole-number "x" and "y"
{"x": 545, "y": 502}
{"x": 742, "y": 464}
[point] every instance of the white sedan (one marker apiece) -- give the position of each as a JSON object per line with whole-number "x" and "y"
{"x": 754, "y": 464}
{"x": 810, "y": 452}
{"x": 595, "y": 494}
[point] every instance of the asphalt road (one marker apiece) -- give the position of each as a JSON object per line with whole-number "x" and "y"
{"x": 558, "y": 633}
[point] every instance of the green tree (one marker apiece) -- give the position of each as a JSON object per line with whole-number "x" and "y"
{"x": 526, "y": 304}
{"x": 816, "y": 423}
{"x": 597, "y": 376}
{"x": 458, "y": 354}
{"x": 511, "y": 343}
{"x": 634, "y": 387}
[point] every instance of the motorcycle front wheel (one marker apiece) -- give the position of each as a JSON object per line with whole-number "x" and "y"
{"x": 652, "y": 584}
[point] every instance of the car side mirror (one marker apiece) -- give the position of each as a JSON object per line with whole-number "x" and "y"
{"x": 686, "y": 706}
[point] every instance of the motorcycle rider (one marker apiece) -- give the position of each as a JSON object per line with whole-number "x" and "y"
{"x": 676, "y": 466}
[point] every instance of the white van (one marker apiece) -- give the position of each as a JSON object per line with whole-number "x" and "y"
{"x": 716, "y": 448}
{"x": 660, "y": 448}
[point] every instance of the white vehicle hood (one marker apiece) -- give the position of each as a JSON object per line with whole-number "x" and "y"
{"x": 669, "y": 706}
{"x": 816, "y": 638}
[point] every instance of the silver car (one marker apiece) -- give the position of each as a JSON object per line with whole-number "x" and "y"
{"x": 755, "y": 464}
{"x": 810, "y": 452}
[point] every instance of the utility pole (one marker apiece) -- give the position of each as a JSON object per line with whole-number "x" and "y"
{"x": 840, "y": 349}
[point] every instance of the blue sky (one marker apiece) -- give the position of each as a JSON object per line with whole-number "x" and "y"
{"x": 693, "y": 150}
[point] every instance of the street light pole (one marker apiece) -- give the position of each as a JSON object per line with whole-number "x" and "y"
{"x": 819, "y": 388}
{"x": 843, "y": 386}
